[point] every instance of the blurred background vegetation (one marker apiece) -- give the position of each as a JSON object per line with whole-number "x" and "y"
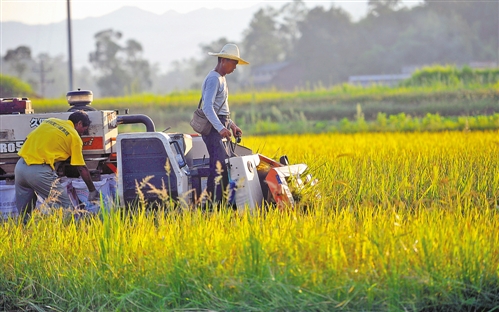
{"x": 294, "y": 47}
{"x": 432, "y": 99}
{"x": 313, "y": 70}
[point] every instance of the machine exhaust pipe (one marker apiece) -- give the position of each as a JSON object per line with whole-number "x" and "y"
{"x": 133, "y": 119}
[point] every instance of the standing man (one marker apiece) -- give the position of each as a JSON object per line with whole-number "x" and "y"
{"x": 52, "y": 141}
{"x": 215, "y": 94}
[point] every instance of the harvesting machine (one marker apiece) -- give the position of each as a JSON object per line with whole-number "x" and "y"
{"x": 177, "y": 162}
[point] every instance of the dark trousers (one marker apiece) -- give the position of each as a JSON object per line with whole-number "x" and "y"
{"x": 218, "y": 178}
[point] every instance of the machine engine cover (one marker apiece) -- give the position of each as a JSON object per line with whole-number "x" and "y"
{"x": 243, "y": 171}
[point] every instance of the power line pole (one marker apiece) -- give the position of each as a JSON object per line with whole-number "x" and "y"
{"x": 43, "y": 79}
{"x": 70, "y": 48}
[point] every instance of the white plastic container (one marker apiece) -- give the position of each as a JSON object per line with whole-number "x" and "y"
{"x": 113, "y": 183}
{"x": 101, "y": 186}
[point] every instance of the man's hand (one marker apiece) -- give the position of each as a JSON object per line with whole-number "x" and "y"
{"x": 93, "y": 196}
{"x": 225, "y": 133}
{"x": 236, "y": 130}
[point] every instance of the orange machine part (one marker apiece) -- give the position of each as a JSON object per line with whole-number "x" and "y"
{"x": 92, "y": 143}
{"x": 112, "y": 167}
{"x": 269, "y": 161}
{"x": 279, "y": 189}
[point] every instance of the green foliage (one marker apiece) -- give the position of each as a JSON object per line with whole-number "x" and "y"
{"x": 18, "y": 60}
{"x": 272, "y": 34}
{"x": 317, "y": 110}
{"x": 122, "y": 69}
{"x": 331, "y": 47}
{"x": 262, "y": 38}
{"x": 14, "y": 87}
{"x": 452, "y": 76}
{"x": 326, "y": 52}
{"x": 383, "y": 123}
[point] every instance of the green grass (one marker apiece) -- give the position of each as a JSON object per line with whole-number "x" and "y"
{"x": 315, "y": 111}
{"x": 340, "y": 93}
{"x": 363, "y": 258}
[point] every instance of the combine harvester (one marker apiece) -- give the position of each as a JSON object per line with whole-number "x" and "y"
{"x": 175, "y": 162}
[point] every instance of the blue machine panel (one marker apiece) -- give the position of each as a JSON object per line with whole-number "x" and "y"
{"x": 142, "y": 158}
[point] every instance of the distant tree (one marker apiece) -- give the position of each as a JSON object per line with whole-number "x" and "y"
{"x": 137, "y": 66}
{"x": 480, "y": 16}
{"x": 122, "y": 68}
{"x": 262, "y": 42}
{"x": 327, "y": 47}
{"x": 435, "y": 39}
{"x": 434, "y": 33}
{"x": 46, "y": 74}
{"x": 382, "y": 7}
{"x": 14, "y": 87}
{"x": 106, "y": 61}
{"x": 105, "y": 58}
{"x": 288, "y": 20}
{"x": 19, "y": 60}
{"x": 190, "y": 73}
{"x": 377, "y": 34}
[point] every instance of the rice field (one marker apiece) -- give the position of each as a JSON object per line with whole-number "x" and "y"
{"x": 404, "y": 222}
{"x": 343, "y": 109}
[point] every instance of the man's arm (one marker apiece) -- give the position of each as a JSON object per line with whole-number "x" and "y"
{"x": 209, "y": 93}
{"x": 87, "y": 178}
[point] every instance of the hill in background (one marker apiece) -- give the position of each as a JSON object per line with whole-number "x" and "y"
{"x": 165, "y": 38}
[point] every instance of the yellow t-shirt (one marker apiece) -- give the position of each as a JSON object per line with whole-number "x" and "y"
{"x": 54, "y": 140}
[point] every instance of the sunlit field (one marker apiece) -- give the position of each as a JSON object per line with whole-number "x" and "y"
{"x": 404, "y": 222}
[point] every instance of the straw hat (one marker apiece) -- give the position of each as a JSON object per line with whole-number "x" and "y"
{"x": 230, "y": 51}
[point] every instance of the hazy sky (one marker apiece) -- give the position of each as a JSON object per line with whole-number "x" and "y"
{"x": 49, "y": 11}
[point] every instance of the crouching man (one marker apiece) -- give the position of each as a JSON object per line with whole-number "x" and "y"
{"x": 52, "y": 141}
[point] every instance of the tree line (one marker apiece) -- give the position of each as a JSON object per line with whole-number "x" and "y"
{"x": 317, "y": 46}
{"x": 325, "y": 46}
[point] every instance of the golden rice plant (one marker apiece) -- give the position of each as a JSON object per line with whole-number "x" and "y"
{"x": 403, "y": 222}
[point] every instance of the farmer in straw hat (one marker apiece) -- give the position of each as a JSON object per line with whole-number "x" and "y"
{"x": 215, "y": 97}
